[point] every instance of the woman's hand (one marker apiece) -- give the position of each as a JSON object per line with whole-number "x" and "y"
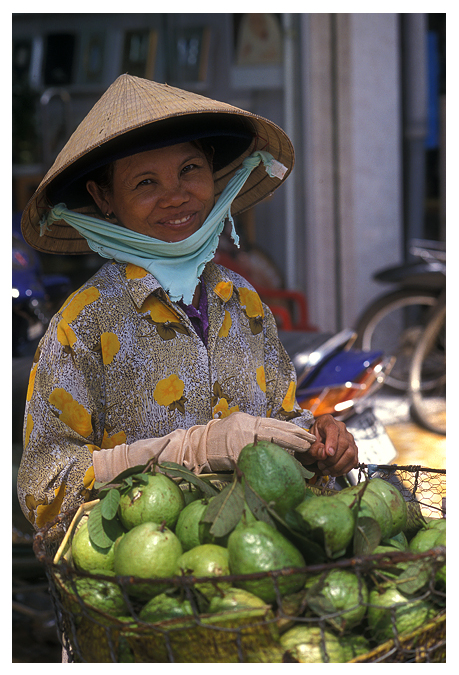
{"x": 334, "y": 453}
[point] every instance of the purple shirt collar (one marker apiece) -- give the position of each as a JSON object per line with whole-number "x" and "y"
{"x": 198, "y": 317}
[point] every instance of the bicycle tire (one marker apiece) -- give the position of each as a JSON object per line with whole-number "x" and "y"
{"x": 428, "y": 408}
{"x": 379, "y": 328}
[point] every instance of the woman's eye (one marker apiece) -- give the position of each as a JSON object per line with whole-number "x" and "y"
{"x": 188, "y": 168}
{"x": 145, "y": 181}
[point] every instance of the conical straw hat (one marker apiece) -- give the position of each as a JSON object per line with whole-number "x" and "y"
{"x": 136, "y": 114}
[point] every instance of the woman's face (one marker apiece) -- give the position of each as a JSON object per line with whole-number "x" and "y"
{"x": 165, "y": 193}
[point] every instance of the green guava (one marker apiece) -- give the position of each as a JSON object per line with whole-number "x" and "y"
{"x": 394, "y": 500}
{"x": 342, "y": 591}
{"x": 86, "y": 555}
{"x": 377, "y": 504}
{"x": 354, "y": 645}
{"x": 309, "y": 644}
{"x": 273, "y": 474}
{"x": 105, "y": 596}
{"x": 205, "y": 560}
{"x": 259, "y": 547}
{"x": 160, "y": 500}
{"x": 436, "y": 524}
{"x": 391, "y": 611}
{"x": 235, "y": 598}
{"x": 371, "y": 506}
{"x": 164, "y": 607}
{"x": 329, "y": 522}
{"x": 149, "y": 551}
{"x": 189, "y": 529}
{"x": 424, "y": 540}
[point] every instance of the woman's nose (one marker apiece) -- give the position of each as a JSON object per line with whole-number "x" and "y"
{"x": 173, "y": 194}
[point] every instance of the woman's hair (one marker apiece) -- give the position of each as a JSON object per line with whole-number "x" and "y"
{"x": 103, "y": 176}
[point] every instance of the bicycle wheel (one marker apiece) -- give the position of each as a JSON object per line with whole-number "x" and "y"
{"x": 428, "y": 407}
{"x": 393, "y": 323}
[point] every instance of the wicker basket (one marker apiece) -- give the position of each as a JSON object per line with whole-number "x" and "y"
{"x": 240, "y": 636}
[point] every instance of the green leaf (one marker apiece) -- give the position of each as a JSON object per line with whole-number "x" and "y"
{"x": 173, "y": 469}
{"x": 121, "y": 477}
{"x": 225, "y": 510}
{"x": 291, "y": 526}
{"x": 367, "y": 535}
{"x": 415, "y": 576}
{"x": 304, "y": 472}
{"x": 319, "y": 603}
{"x": 257, "y": 505}
{"x": 109, "y": 504}
{"x": 102, "y": 532}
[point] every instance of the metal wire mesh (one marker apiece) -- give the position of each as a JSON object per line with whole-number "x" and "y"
{"x": 259, "y": 635}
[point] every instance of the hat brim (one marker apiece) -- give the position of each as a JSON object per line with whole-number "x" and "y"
{"x": 233, "y": 133}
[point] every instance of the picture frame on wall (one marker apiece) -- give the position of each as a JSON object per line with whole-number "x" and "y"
{"x": 139, "y": 53}
{"x": 93, "y": 58}
{"x": 257, "y": 39}
{"x": 189, "y": 56}
{"x": 22, "y": 61}
{"x": 257, "y": 51}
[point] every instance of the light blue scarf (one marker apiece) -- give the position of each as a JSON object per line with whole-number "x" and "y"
{"x": 176, "y": 265}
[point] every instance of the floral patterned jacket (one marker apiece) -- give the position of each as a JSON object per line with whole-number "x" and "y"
{"x": 120, "y": 363}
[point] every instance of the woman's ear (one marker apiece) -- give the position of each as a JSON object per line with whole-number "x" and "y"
{"x": 99, "y": 196}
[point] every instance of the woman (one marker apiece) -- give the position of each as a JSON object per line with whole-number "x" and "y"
{"x": 161, "y": 353}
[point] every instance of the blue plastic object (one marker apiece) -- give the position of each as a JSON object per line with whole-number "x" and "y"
{"x": 346, "y": 366}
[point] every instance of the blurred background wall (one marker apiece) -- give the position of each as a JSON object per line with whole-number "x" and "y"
{"x": 361, "y": 95}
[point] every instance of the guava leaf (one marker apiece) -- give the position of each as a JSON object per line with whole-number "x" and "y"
{"x": 225, "y": 510}
{"x": 294, "y": 528}
{"x": 173, "y": 469}
{"x": 415, "y": 576}
{"x": 257, "y": 505}
{"x": 120, "y": 477}
{"x": 138, "y": 478}
{"x": 102, "y": 532}
{"x": 367, "y": 535}
{"x": 304, "y": 472}
{"x": 320, "y": 604}
{"x": 109, "y": 504}
{"x": 291, "y": 525}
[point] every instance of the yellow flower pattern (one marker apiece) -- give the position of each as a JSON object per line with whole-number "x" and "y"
{"x": 251, "y": 301}
{"x": 79, "y": 301}
{"x": 289, "y": 406}
{"x": 110, "y": 346}
{"x": 111, "y": 441}
{"x": 159, "y": 312}
{"x": 121, "y": 362}
{"x": 28, "y": 431}
{"x": 289, "y": 398}
{"x": 47, "y": 512}
{"x": 65, "y": 334}
{"x": 226, "y": 325}
{"x": 30, "y": 386}
{"x": 223, "y": 410}
{"x": 169, "y": 392}
{"x": 261, "y": 379}
{"x": 73, "y": 414}
{"x": 224, "y": 290}
{"x": 135, "y": 272}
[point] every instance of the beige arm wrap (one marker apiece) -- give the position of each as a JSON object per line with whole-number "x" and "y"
{"x": 211, "y": 447}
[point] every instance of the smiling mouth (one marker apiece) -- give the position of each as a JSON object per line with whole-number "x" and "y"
{"x": 179, "y": 221}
